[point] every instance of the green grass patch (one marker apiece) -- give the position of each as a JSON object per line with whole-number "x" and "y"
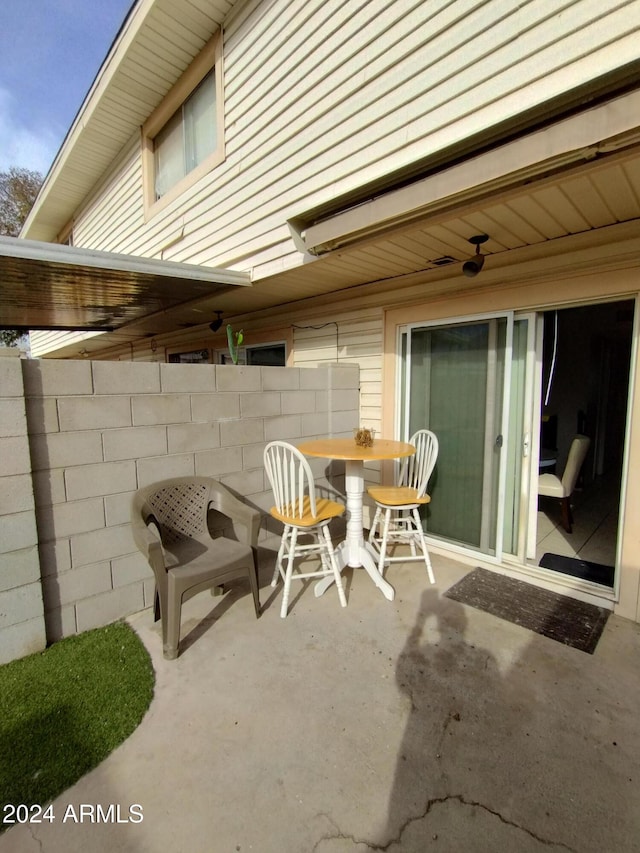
{"x": 62, "y": 711}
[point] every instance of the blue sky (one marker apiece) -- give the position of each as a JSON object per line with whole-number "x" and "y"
{"x": 50, "y": 53}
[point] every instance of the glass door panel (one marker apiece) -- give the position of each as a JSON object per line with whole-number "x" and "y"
{"x": 458, "y": 381}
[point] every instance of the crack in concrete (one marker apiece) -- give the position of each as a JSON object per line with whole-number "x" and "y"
{"x": 370, "y": 845}
{"x": 35, "y": 837}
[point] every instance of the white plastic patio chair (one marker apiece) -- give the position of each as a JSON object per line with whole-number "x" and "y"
{"x": 397, "y": 518}
{"x": 301, "y": 511}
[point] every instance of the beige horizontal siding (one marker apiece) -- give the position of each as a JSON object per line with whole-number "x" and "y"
{"x": 299, "y": 153}
{"x": 117, "y": 205}
{"x": 43, "y": 342}
{"x": 322, "y": 97}
{"x": 358, "y": 341}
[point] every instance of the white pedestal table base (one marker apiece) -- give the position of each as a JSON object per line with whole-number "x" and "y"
{"x": 354, "y": 551}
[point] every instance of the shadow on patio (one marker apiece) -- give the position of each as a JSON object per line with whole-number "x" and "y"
{"x": 399, "y": 726}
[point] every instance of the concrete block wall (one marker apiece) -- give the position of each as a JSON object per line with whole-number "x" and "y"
{"x": 22, "y": 624}
{"x": 100, "y": 430}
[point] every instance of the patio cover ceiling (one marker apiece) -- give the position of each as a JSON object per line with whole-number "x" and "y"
{"x": 49, "y": 286}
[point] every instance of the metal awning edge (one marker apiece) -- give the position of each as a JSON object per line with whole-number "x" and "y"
{"x": 16, "y": 247}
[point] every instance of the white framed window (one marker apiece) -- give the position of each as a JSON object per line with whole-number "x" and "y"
{"x": 199, "y": 356}
{"x": 183, "y": 139}
{"x": 269, "y": 355}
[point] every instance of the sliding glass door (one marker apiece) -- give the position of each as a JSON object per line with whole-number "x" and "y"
{"x": 465, "y": 381}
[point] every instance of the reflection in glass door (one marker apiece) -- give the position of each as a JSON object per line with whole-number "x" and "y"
{"x": 458, "y": 381}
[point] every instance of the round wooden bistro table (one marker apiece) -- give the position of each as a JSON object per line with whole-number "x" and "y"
{"x": 355, "y": 551}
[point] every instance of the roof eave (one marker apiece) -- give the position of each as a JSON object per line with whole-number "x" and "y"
{"x": 94, "y": 141}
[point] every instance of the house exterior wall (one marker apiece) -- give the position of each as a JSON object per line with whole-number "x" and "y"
{"x": 88, "y": 434}
{"x": 322, "y": 98}
{"x": 353, "y": 338}
{"x": 305, "y": 124}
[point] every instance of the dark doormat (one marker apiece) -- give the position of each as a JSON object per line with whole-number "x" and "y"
{"x": 595, "y": 572}
{"x": 574, "y": 623}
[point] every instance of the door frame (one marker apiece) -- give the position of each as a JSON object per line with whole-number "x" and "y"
{"x": 537, "y": 288}
{"x": 574, "y": 584}
{"x": 521, "y": 562}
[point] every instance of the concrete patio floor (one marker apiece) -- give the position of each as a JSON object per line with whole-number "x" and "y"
{"x": 412, "y": 725}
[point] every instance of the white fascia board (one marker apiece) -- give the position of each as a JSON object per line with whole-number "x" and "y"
{"x": 15, "y": 247}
